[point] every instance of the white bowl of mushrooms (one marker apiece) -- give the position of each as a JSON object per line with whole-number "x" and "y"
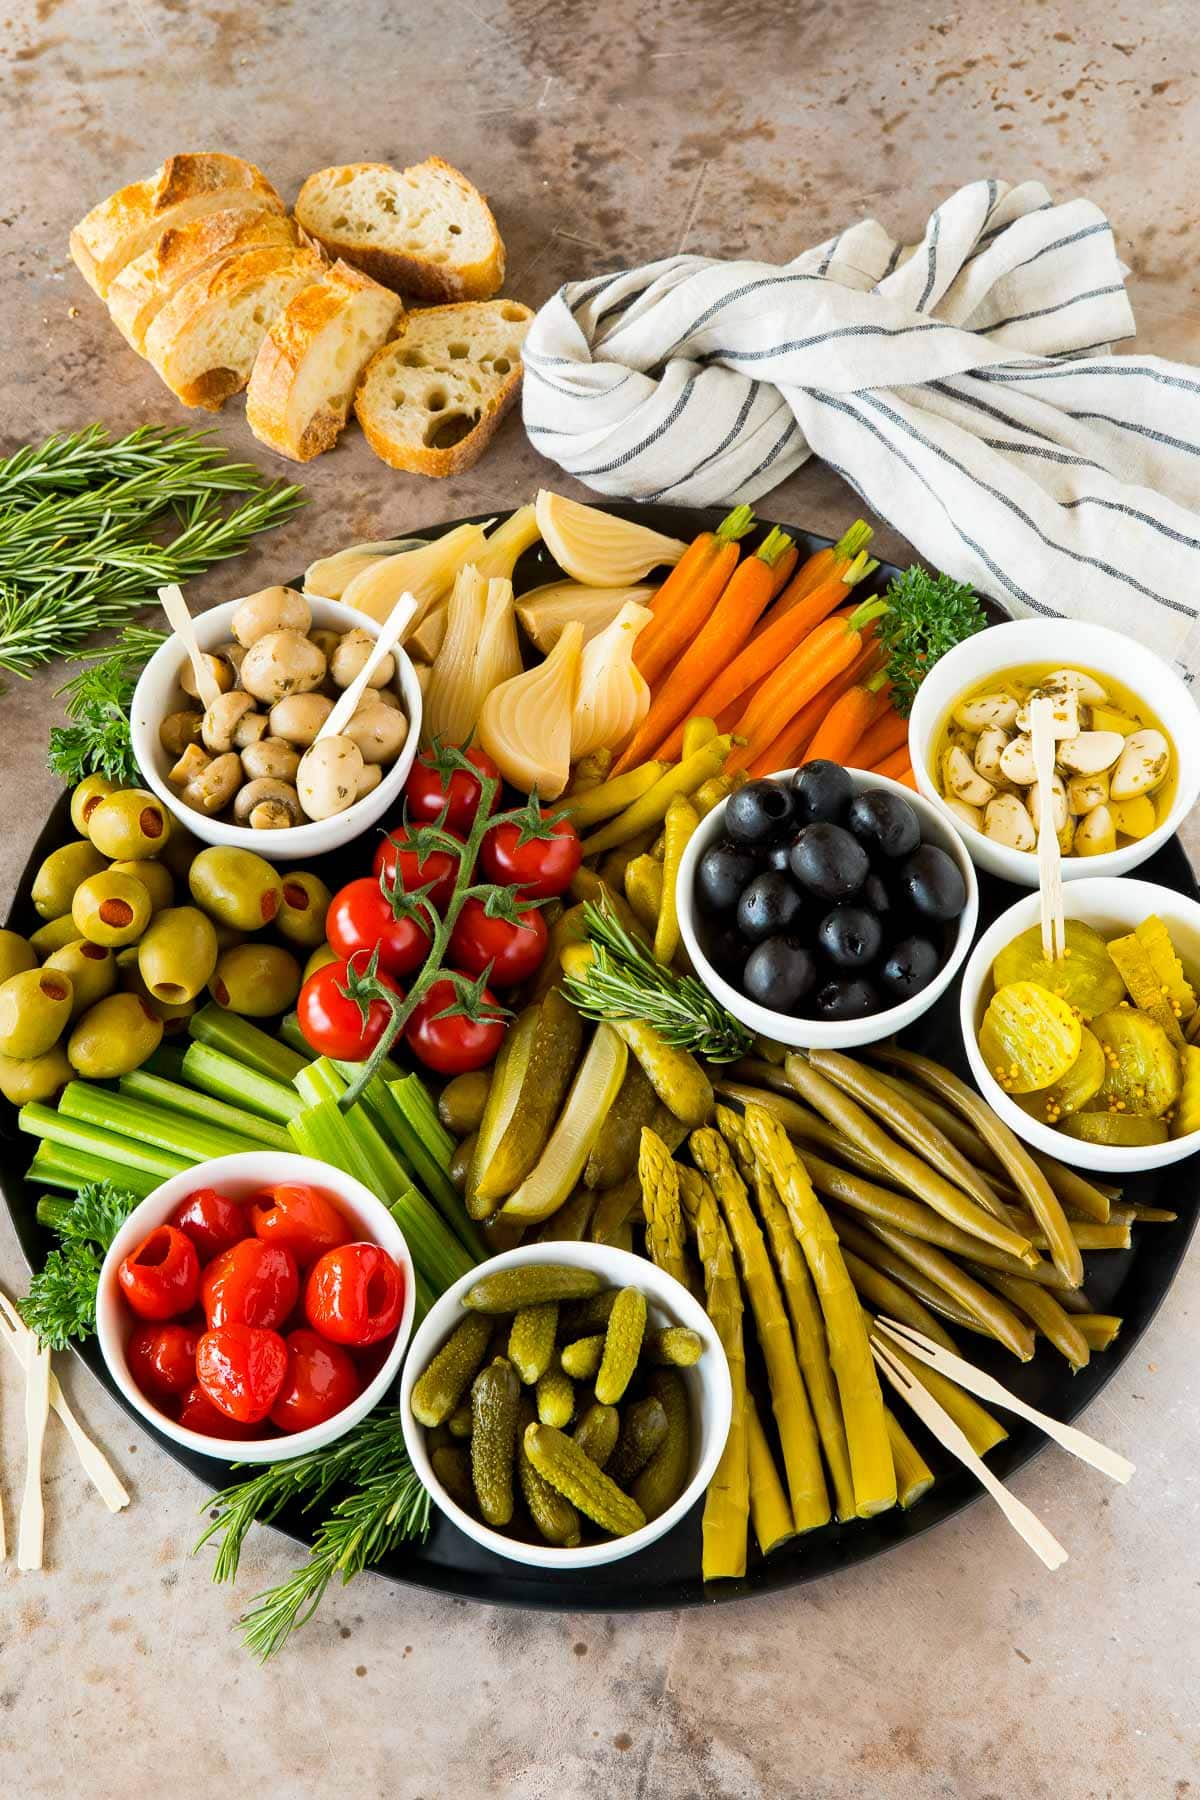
{"x": 238, "y": 774}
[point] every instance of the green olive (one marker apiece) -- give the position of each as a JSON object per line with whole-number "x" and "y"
{"x": 302, "y": 910}
{"x": 460, "y": 1163}
{"x": 114, "y": 1037}
{"x": 174, "y": 1014}
{"x": 183, "y": 846}
{"x": 53, "y": 935}
{"x": 155, "y": 877}
{"x": 256, "y": 979}
{"x": 55, "y": 882}
{"x": 24, "y": 1079}
{"x": 92, "y": 968}
{"x": 227, "y": 937}
{"x": 461, "y": 1102}
{"x": 111, "y": 909}
{"x": 86, "y": 797}
{"x": 324, "y": 953}
{"x": 34, "y": 1007}
{"x": 178, "y": 954}
{"x": 16, "y": 954}
{"x": 235, "y": 887}
{"x": 130, "y": 823}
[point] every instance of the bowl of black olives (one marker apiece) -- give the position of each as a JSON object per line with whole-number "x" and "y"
{"x": 826, "y": 907}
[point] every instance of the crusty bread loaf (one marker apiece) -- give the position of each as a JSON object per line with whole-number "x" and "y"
{"x": 309, "y": 363}
{"x": 133, "y": 218}
{"x": 203, "y": 342}
{"x": 145, "y": 285}
{"x": 432, "y": 400}
{"x": 424, "y": 230}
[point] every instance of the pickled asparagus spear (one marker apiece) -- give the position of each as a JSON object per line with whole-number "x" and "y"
{"x": 666, "y": 1242}
{"x": 770, "y": 1513}
{"x": 808, "y": 1327}
{"x": 727, "y": 1503}
{"x": 797, "y": 1433}
{"x": 914, "y": 1477}
{"x": 849, "y": 1351}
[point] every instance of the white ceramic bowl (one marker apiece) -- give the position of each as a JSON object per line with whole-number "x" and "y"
{"x": 1062, "y": 643}
{"x": 938, "y": 828}
{"x": 1114, "y": 906}
{"x": 158, "y": 693}
{"x": 710, "y": 1396}
{"x": 240, "y": 1176}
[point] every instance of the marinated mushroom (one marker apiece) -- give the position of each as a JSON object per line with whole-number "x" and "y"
{"x": 178, "y": 730}
{"x": 254, "y": 793}
{"x": 233, "y": 654}
{"x": 379, "y": 733}
{"x": 282, "y": 663}
{"x": 351, "y": 654}
{"x": 370, "y": 778}
{"x": 271, "y": 609}
{"x": 211, "y": 790}
{"x": 272, "y": 758}
{"x": 326, "y": 642}
{"x": 272, "y": 815}
{"x": 221, "y": 672}
{"x": 193, "y": 762}
{"x": 384, "y": 696}
{"x": 250, "y": 729}
{"x": 223, "y": 717}
{"x": 328, "y": 776}
{"x": 299, "y": 717}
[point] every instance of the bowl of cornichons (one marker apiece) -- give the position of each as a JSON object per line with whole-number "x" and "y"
{"x": 566, "y": 1404}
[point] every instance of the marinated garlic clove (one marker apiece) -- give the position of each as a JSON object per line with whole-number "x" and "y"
{"x": 1096, "y": 833}
{"x": 988, "y": 748}
{"x": 218, "y": 668}
{"x": 1064, "y": 713}
{"x": 178, "y": 730}
{"x": 272, "y": 758}
{"x": 1086, "y": 792}
{"x": 996, "y": 710}
{"x": 1087, "y": 689}
{"x": 222, "y": 718}
{"x": 282, "y": 663}
{"x": 966, "y": 815}
{"x": 1142, "y": 765}
{"x": 1016, "y": 761}
{"x": 1090, "y": 752}
{"x": 299, "y": 718}
{"x": 1066, "y": 837}
{"x": 212, "y": 790}
{"x": 271, "y": 609}
{"x": 1007, "y": 822}
{"x": 1058, "y": 802}
{"x": 328, "y": 776}
{"x": 964, "y": 780}
{"x": 193, "y": 762}
{"x": 350, "y": 655}
{"x": 254, "y": 793}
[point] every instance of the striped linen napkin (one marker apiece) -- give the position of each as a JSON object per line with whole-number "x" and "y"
{"x": 964, "y": 386}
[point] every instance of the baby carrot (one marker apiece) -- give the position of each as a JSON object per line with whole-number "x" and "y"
{"x": 888, "y": 733}
{"x": 723, "y": 633}
{"x": 897, "y": 765}
{"x": 689, "y": 593}
{"x": 783, "y": 572}
{"x": 814, "y": 663}
{"x": 789, "y": 747}
{"x": 822, "y": 566}
{"x": 847, "y": 719}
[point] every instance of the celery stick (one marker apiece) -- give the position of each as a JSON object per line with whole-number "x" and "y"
{"x": 56, "y": 1165}
{"x": 213, "y": 1072}
{"x": 381, "y": 1098}
{"x": 238, "y": 1038}
{"x": 166, "y": 1061}
{"x": 320, "y": 1131}
{"x": 318, "y": 1081}
{"x": 140, "y": 1086}
{"x": 293, "y": 1038}
{"x": 149, "y": 1124}
{"x": 418, "y": 1105}
{"x": 77, "y": 1134}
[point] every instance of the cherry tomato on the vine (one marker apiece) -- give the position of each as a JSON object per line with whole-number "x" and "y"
{"x": 300, "y": 1217}
{"x": 426, "y": 791}
{"x": 161, "y": 1278}
{"x": 438, "y": 868}
{"x": 331, "y": 1022}
{"x": 355, "y": 1294}
{"x": 162, "y": 1358}
{"x": 211, "y": 1220}
{"x": 242, "y": 1370}
{"x": 540, "y": 867}
{"x": 514, "y": 951}
{"x": 453, "y": 1045}
{"x": 251, "y": 1284}
{"x": 359, "y": 918}
{"x": 321, "y": 1379}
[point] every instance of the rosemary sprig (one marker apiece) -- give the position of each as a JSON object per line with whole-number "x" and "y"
{"x": 97, "y": 740}
{"x": 61, "y": 1302}
{"x": 625, "y": 982}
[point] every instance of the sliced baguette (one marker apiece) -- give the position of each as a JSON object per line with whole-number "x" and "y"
{"x": 310, "y": 361}
{"x": 203, "y": 342}
{"x": 431, "y": 401}
{"x": 133, "y": 218}
{"x": 145, "y": 285}
{"x": 424, "y": 230}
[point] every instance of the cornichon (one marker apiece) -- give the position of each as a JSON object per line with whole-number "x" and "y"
{"x": 676, "y": 1345}
{"x": 532, "y": 1086}
{"x": 531, "y": 1340}
{"x": 452, "y": 1466}
{"x": 459, "y": 1422}
{"x": 597, "y": 1432}
{"x": 555, "y": 1396}
{"x": 495, "y": 1397}
{"x": 552, "y": 1179}
{"x": 643, "y": 1430}
{"x": 579, "y": 1318}
{"x": 437, "y": 1392}
{"x": 666, "y": 1474}
{"x": 573, "y": 1473}
{"x": 552, "y": 1513}
{"x": 622, "y": 1345}
{"x": 615, "y": 1152}
{"x": 581, "y": 1358}
{"x": 530, "y": 1284}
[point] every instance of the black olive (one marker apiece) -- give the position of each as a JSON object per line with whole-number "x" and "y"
{"x": 828, "y": 862}
{"x": 823, "y": 791}
{"x": 724, "y": 946}
{"x": 769, "y": 907}
{"x": 883, "y": 821}
{"x": 760, "y": 813}
{"x": 908, "y": 967}
{"x": 932, "y": 884}
{"x": 850, "y": 936}
{"x": 877, "y": 895}
{"x": 852, "y": 997}
{"x": 779, "y": 856}
{"x": 779, "y": 973}
{"x": 721, "y": 874}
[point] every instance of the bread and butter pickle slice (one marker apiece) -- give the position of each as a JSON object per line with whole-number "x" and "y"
{"x": 1142, "y": 1073}
{"x": 1119, "y": 1131}
{"x": 1081, "y": 1083}
{"x": 1086, "y": 977}
{"x": 1186, "y": 1117}
{"x": 1155, "y": 940}
{"x": 1029, "y": 1037}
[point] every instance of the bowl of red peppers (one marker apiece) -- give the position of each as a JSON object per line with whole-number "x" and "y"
{"x": 256, "y": 1306}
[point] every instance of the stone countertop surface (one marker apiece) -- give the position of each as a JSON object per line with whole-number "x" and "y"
{"x": 605, "y": 135}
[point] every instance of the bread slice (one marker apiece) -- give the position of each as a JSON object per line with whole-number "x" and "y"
{"x": 309, "y": 363}
{"x": 203, "y": 342}
{"x": 133, "y": 218}
{"x": 432, "y": 401}
{"x": 425, "y": 230}
{"x": 145, "y": 285}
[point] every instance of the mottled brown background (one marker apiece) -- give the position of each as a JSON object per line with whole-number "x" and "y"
{"x": 605, "y": 134}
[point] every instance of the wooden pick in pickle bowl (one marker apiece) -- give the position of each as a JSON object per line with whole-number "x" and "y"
{"x": 180, "y": 620}
{"x": 327, "y": 778}
{"x": 1050, "y": 719}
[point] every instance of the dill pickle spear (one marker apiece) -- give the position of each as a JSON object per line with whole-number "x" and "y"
{"x": 615, "y": 1152}
{"x": 543, "y": 1079}
{"x": 552, "y": 1179}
